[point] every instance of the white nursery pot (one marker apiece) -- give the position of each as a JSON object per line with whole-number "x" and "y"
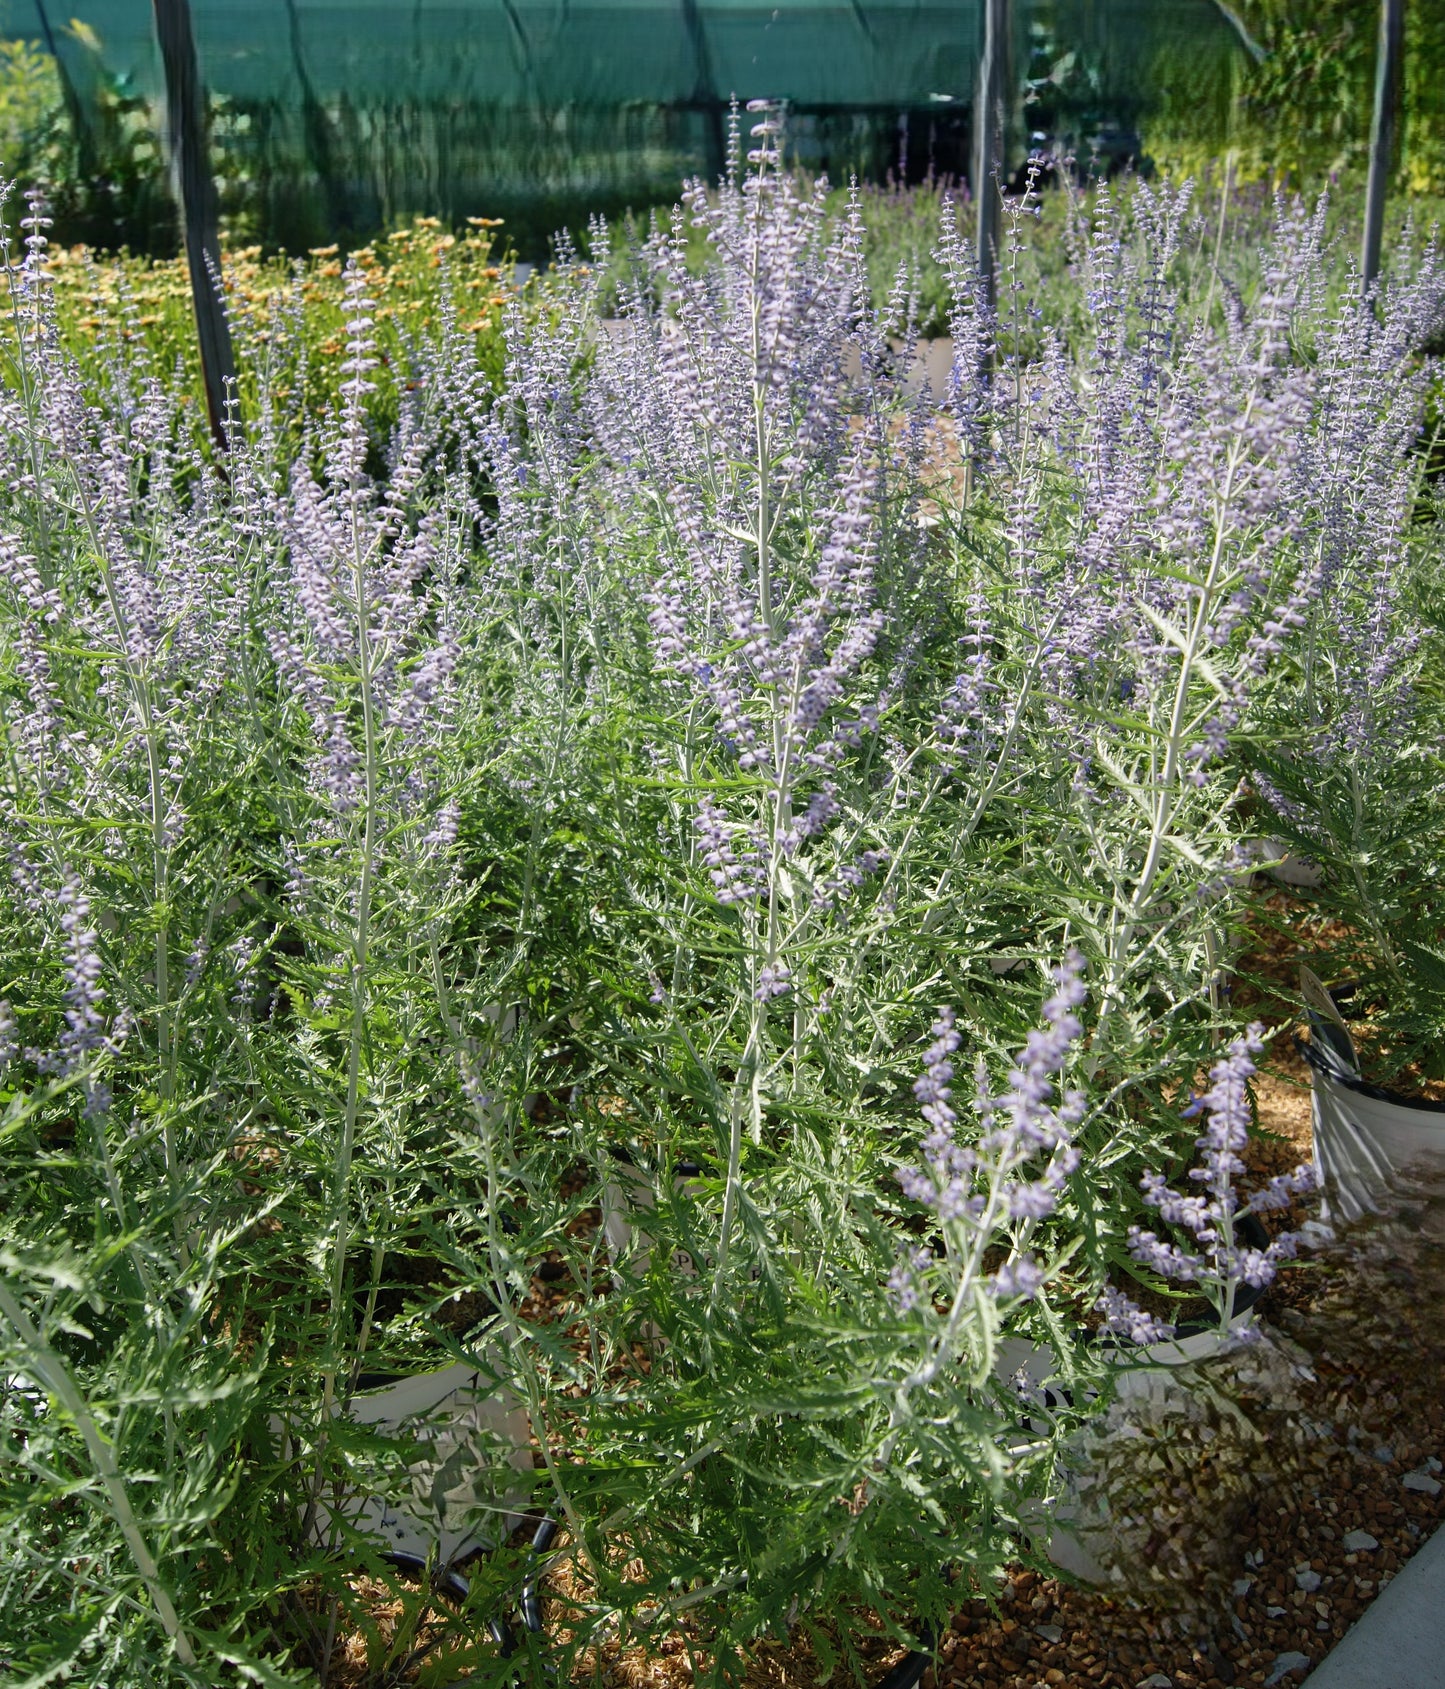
{"x": 462, "y": 1495}
{"x": 1145, "y": 1377}
{"x": 470, "y": 1442}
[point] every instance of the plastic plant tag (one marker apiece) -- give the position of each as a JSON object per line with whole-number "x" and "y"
{"x": 470, "y": 1437}
{"x": 1366, "y": 1138}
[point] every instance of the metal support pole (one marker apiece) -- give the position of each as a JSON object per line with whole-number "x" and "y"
{"x": 1388, "y": 59}
{"x": 705, "y": 95}
{"x": 990, "y": 123}
{"x": 85, "y": 154}
{"x": 191, "y": 174}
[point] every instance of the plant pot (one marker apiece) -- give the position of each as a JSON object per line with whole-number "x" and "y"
{"x": 629, "y": 1197}
{"x": 472, "y": 1439}
{"x": 1075, "y": 1521}
{"x": 1367, "y": 1139}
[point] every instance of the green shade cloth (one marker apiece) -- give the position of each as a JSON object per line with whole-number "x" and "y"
{"x": 818, "y": 53}
{"x": 345, "y": 116}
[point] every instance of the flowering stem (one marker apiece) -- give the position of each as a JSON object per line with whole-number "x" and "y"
{"x": 1166, "y": 783}
{"x": 125, "y": 634}
{"x": 360, "y": 959}
{"x": 945, "y": 1341}
{"x": 749, "y": 1078}
{"x": 484, "y": 1116}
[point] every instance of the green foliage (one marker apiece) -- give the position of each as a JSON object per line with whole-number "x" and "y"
{"x": 31, "y": 109}
{"x": 1371, "y": 821}
{"x": 286, "y": 316}
{"x": 395, "y": 928}
{"x": 1302, "y": 111}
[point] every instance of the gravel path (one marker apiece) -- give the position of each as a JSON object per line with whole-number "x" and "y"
{"x": 1355, "y": 1488}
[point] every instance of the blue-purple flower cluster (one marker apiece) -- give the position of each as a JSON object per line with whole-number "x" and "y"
{"x": 978, "y": 1190}
{"x": 1216, "y": 1259}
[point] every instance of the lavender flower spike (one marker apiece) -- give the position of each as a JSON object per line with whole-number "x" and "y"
{"x": 1222, "y": 1264}
{"x": 84, "y": 1023}
{"x": 977, "y": 1191}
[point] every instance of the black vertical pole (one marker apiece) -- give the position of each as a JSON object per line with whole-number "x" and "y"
{"x": 990, "y": 111}
{"x": 1388, "y": 59}
{"x": 196, "y": 192}
{"x": 704, "y": 94}
{"x": 85, "y": 158}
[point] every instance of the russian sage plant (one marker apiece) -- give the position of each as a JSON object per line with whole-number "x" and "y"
{"x": 484, "y": 895}
{"x": 1217, "y": 1259}
{"x": 880, "y": 746}
{"x": 241, "y": 1033}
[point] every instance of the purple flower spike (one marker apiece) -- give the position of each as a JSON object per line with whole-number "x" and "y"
{"x": 982, "y": 1188}
{"x": 1123, "y": 1318}
{"x": 84, "y": 1023}
{"x": 1219, "y": 1263}
{"x": 1023, "y": 1277}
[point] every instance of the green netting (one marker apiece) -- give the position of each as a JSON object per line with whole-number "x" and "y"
{"x": 337, "y": 117}
{"x": 602, "y": 53}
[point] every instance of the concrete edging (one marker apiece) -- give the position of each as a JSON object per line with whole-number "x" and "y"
{"x": 1399, "y": 1643}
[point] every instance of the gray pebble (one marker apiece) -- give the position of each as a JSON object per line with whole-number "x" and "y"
{"x": 1433, "y": 1465}
{"x": 1275, "y": 1612}
{"x": 1284, "y": 1664}
{"x": 1049, "y": 1632}
{"x": 1385, "y": 1454}
{"x": 1242, "y": 1586}
{"x": 1358, "y": 1542}
{"x": 1308, "y": 1581}
{"x": 1423, "y": 1482}
{"x": 1156, "y": 1680}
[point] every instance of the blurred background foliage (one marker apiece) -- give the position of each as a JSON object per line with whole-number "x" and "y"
{"x": 1300, "y": 110}
{"x": 286, "y": 314}
{"x": 1280, "y": 89}
{"x": 1247, "y": 100}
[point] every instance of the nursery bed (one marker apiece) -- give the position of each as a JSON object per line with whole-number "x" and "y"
{"x": 661, "y": 722}
{"x": 1369, "y": 1322}
{"x": 1366, "y": 1320}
